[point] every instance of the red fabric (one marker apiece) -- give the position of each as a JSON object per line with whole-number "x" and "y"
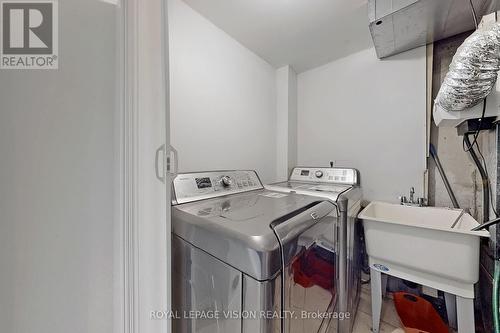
{"x": 310, "y": 269}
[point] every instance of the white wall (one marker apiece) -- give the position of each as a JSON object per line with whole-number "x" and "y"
{"x": 56, "y": 181}
{"x": 229, "y": 109}
{"x": 369, "y": 114}
{"x": 286, "y": 122}
{"x": 222, "y": 99}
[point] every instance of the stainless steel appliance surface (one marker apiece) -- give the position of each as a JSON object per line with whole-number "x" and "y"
{"x": 341, "y": 187}
{"x": 250, "y": 260}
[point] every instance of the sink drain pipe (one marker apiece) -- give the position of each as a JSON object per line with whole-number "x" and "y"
{"x": 447, "y": 185}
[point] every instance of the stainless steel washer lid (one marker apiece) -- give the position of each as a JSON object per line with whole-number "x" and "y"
{"x": 237, "y": 228}
{"x": 332, "y": 190}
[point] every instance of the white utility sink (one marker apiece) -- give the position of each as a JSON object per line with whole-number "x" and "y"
{"x": 431, "y": 246}
{"x": 421, "y": 241}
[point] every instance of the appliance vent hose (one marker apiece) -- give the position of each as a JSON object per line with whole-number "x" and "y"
{"x": 473, "y": 70}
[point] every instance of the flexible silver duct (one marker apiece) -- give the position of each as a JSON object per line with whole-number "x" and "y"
{"x": 473, "y": 70}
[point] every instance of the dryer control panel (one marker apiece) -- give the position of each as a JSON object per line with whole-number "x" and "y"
{"x": 326, "y": 175}
{"x": 188, "y": 187}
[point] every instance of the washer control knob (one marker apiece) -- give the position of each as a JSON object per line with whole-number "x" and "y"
{"x": 318, "y": 174}
{"x": 226, "y": 181}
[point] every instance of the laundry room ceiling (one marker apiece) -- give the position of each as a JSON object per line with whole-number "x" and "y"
{"x": 302, "y": 33}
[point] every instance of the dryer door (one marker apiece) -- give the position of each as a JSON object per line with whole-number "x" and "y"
{"x": 309, "y": 268}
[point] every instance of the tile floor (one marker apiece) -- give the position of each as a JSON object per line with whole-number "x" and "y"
{"x": 363, "y": 322}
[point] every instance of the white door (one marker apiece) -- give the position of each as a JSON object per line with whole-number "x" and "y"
{"x": 84, "y": 224}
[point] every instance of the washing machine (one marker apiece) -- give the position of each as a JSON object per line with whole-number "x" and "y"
{"x": 250, "y": 260}
{"x": 341, "y": 187}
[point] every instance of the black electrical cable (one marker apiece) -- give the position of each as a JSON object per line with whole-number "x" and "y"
{"x": 478, "y": 130}
{"x": 474, "y": 16}
{"x": 474, "y": 143}
{"x": 489, "y": 181}
{"x": 484, "y": 179}
{"x": 487, "y": 177}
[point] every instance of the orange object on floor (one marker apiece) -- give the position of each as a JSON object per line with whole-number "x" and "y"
{"x": 418, "y": 315}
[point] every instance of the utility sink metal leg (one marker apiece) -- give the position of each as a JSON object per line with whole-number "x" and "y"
{"x": 465, "y": 315}
{"x": 385, "y": 277}
{"x": 451, "y": 309}
{"x": 376, "y": 289}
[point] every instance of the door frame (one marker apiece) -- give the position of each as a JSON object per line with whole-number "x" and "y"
{"x": 139, "y": 277}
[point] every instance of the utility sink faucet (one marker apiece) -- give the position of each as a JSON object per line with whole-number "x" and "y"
{"x": 419, "y": 202}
